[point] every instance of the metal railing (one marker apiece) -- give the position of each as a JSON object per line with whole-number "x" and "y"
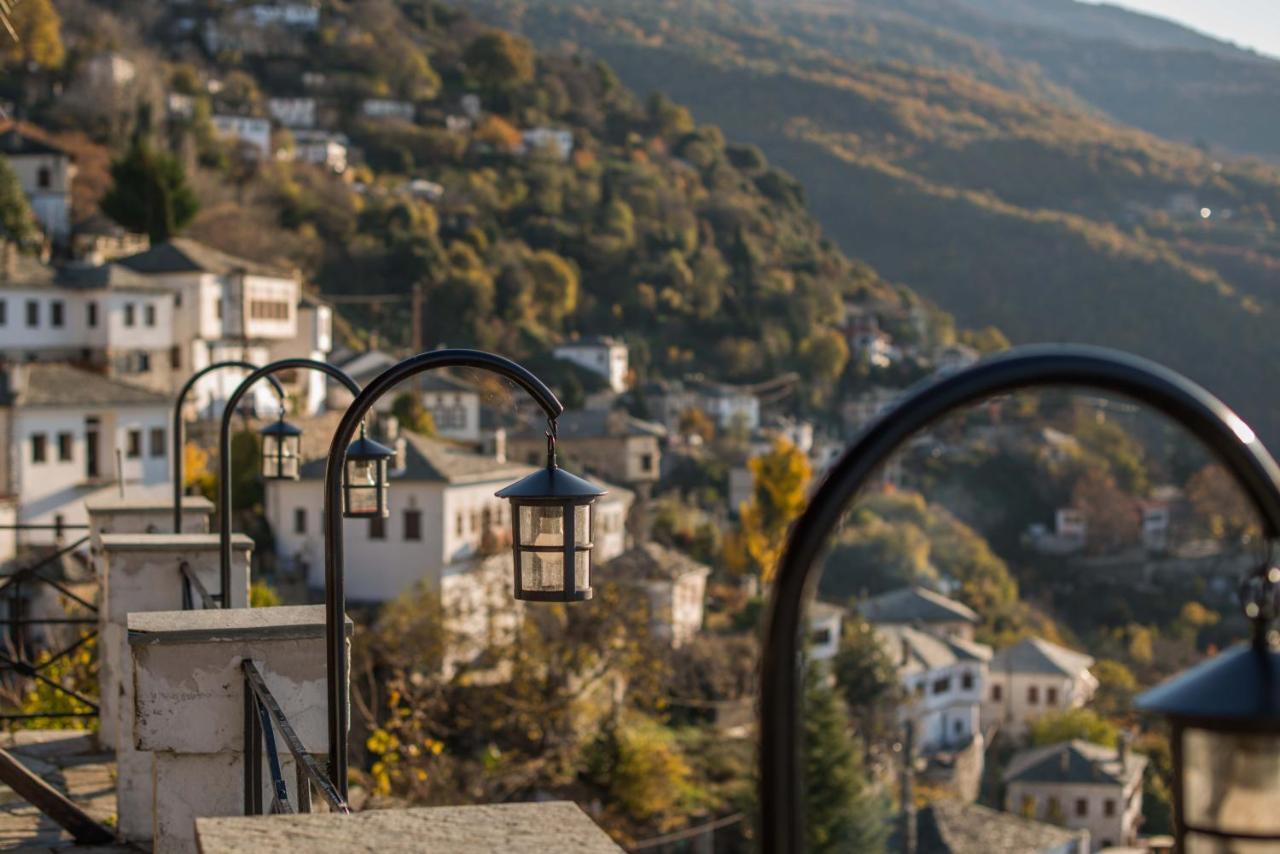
{"x": 193, "y": 590}
{"x": 15, "y": 659}
{"x": 262, "y": 717}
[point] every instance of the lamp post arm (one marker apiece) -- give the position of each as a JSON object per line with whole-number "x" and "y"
{"x": 179, "y": 432}
{"x": 224, "y": 451}
{"x": 335, "y": 594}
{"x": 1228, "y": 438}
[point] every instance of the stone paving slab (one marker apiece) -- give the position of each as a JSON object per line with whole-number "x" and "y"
{"x": 71, "y": 761}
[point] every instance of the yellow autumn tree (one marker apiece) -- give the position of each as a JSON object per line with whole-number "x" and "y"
{"x": 195, "y": 470}
{"x": 36, "y": 35}
{"x": 779, "y": 490}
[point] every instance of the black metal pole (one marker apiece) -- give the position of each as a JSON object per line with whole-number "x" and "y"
{"x": 179, "y": 432}
{"x": 224, "y": 452}
{"x": 334, "y": 593}
{"x": 781, "y": 792}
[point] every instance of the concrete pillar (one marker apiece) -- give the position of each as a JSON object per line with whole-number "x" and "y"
{"x": 190, "y": 704}
{"x": 140, "y": 572}
{"x": 112, "y": 514}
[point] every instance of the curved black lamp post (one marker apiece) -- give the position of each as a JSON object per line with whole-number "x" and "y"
{"x": 1230, "y": 440}
{"x": 179, "y": 434}
{"x": 569, "y": 495}
{"x": 224, "y": 454}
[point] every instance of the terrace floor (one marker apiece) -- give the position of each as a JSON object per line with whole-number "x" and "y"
{"x": 71, "y": 761}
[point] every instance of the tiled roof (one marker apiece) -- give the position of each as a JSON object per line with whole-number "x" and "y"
{"x": 650, "y": 561}
{"x": 113, "y": 276}
{"x": 953, "y": 827}
{"x": 17, "y": 140}
{"x": 914, "y": 605}
{"x": 60, "y": 384}
{"x": 183, "y": 255}
{"x": 596, "y": 424}
{"x": 1034, "y": 655}
{"x": 1074, "y": 761}
{"x": 925, "y": 651}
{"x": 427, "y": 459}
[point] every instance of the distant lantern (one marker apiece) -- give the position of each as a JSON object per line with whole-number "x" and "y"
{"x": 281, "y": 450}
{"x": 1224, "y": 717}
{"x": 364, "y": 483}
{"x": 551, "y": 519}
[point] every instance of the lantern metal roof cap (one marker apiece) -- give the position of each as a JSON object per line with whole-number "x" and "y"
{"x": 280, "y": 427}
{"x": 552, "y": 484}
{"x": 365, "y": 448}
{"x": 1242, "y": 684}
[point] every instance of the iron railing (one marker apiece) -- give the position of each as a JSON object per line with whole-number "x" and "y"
{"x": 262, "y": 717}
{"x": 194, "y": 591}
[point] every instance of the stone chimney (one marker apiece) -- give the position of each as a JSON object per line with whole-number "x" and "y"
{"x": 496, "y": 445}
{"x": 1122, "y": 749}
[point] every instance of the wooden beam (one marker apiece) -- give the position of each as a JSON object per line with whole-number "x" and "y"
{"x": 51, "y": 802}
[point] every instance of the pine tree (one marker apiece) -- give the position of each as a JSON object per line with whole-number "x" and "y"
{"x": 842, "y": 813}
{"x": 150, "y": 193}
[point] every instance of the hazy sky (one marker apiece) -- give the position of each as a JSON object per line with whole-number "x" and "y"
{"x": 1249, "y": 23}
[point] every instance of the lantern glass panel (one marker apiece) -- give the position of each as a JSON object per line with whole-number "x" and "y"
{"x": 542, "y": 571}
{"x": 291, "y": 460}
{"x": 582, "y": 569}
{"x": 541, "y": 525}
{"x": 362, "y": 500}
{"x": 1229, "y": 784}
{"x": 362, "y": 473}
{"x": 270, "y": 455}
{"x": 582, "y": 524}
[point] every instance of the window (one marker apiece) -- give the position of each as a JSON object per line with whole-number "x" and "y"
{"x": 129, "y": 314}
{"x": 958, "y": 727}
{"x": 413, "y": 524}
{"x": 133, "y": 446}
{"x": 33, "y": 313}
{"x": 1033, "y": 695}
{"x": 44, "y": 178}
{"x": 91, "y": 314}
{"x": 646, "y": 462}
{"x": 175, "y": 357}
{"x": 299, "y": 520}
{"x": 39, "y": 447}
{"x": 942, "y": 686}
{"x": 149, "y": 314}
{"x": 1109, "y": 807}
{"x": 1082, "y": 807}
{"x": 458, "y": 525}
{"x": 143, "y": 362}
{"x": 377, "y": 528}
{"x": 820, "y": 637}
{"x": 155, "y": 442}
{"x": 55, "y": 314}
{"x": 966, "y": 681}
{"x": 261, "y": 309}
{"x": 1051, "y": 696}
{"x": 64, "y": 447}
{"x": 4, "y": 313}
{"x": 217, "y": 308}
{"x": 997, "y": 693}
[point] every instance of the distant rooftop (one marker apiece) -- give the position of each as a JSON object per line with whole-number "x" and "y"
{"x": 19, "y": 139}
{"x": 60, "y": 384}
{"x": 427, "y": 459}
{"x": 598, "y": 423}
{"x": 953, "y": 827}
{"x": 924, "y": 651}
{"x": 1035, "y": 655}
{"x": 1074, "y": 761}
{"x": 650, "y": 561}
{"x": 915, "y": 605}
{"x": 183, "y": 255}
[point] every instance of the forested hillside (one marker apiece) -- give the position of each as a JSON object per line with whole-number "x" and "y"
{"x": 1002, "y": 196}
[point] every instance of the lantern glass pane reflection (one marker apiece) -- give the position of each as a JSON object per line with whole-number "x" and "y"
{"x": 364, "y": 479}
{"x": 1230, "y": 782}
{"x": 281, "y": 456}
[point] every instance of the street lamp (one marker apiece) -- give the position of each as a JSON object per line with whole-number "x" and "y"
{"x": 781, "y": 788}
{"x": 1224, "y": 718}
{"x": 551, "y": 532}
{"x": 281, "y": 450}
{"x": 364, "y": 482}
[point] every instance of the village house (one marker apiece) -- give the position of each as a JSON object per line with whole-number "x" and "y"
{"x": 921, "y": 608}
{"x": 321, "y": 148}
{"x": 62, "y": 427}
{"x": 1070, "y": 533}
{"x": 251, "y": 135}
{"x": 867, "y": 406}
{"x": 98, "y": 239}
{"x": 293, "y": 112}
{"x": 45, "y": 171}
{"x": 558, "y": 142}
{"x": 1032, "y": 678}
{"x": 729, "y": 406}
{"x": 674, "y": 584}
{"x": 608, "y": 443}
{"x": 386, "y": 108}
{"x": 601, "y": 355}
{"x": 454, "y": 406}
{"x": 1081, "y": 785}
{"x": 826, "y": 621}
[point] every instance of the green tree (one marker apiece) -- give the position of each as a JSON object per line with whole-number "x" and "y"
{"x": 1068, "y": 724}
{"x": 500, "y": 60}
{"x": 867, "y": 679}
{"x": 16, "y": 219}
{"x": 1116, "y": 688}
{"x": 842, "y": 812}
{"x": 412, "y": 415}
{"x": 150, "y": 193}
{"x": 637, "y": 761}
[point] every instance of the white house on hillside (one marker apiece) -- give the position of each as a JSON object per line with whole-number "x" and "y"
{"x": 251, "y": 133}
{"x": 45, "y": 172}
{"x": 443, "y": 515}
{"x": 600, "y": 355}
{"x": 674, "y": 583}
{"x": 1034, "y": 677}
{"x": 920, "y": 608}
{"x": 61, "y": 427}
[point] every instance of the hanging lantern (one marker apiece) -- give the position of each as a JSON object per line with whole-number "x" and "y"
{"x": 551, "y": 520}
{"x": 281, "y": 450}
{"x": 1224, "y": 717}
{"x": 364, "y": 482}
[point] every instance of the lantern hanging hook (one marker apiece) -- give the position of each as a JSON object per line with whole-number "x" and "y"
{"x": 552, "y": 427}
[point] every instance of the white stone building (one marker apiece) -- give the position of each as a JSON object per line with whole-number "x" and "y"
{"x": 558, "y": 142}
{"x": 293, "y": 112}
{"x": 1032, "y": 678}
{"x": 61, "y": 428}
{"x": 1077, "y": 784}
{"x": 454, "y": 405}
{"x": 387, "y": 108}
{"x": 920, "y": 607}
{"x": 826, "y": 621}
{"x": 45, "y": 172}
{"x": 675, "y": 584}
{"x": 250, "y": 133}
{"x": 321, "y": 148}
{"x": 443, "y": 516}
{"x": 730, "y": 406}
{"x": 600, "y": 355}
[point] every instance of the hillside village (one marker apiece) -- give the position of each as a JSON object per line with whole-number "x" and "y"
{"x": 449, "y": 184}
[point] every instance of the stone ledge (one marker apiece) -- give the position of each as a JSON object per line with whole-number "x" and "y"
{"x": 171, "y": 542}
{"x": 281, "y": 622}
{"x": 136, "y": 504}
{"x": 554, "y": 827}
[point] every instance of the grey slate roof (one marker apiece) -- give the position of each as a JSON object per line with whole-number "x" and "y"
{"x": 1035, "y": 655}
{"x": 103, "y": 276}
{"x": 183, "y": 255}
{"x": 427, "y": 459}
{"x": 650, "y": 561}
{"x": 914, "y": 605}
{"x": 1074, "y": 761}
{"x": 597, "y": 424}
{"x": 19, "y": 140}
{"x": 60, "y": 384}
{"x": 925, "y": 651}
{"x": 953, "y": 827}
